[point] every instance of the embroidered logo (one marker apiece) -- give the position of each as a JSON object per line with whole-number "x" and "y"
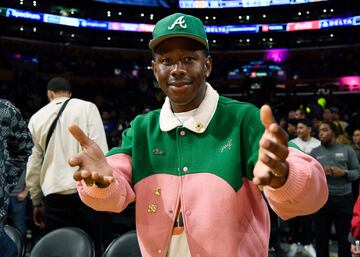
{"x": 226, "y": 146}
{"x": 179, "y": 21}
{"x": 158, "y": 151}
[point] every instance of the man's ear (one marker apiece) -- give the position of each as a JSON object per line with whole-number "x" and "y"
{"x": 154, "y": 68}
{"x": 208, "y": 66}
{"x": 50, "y": 95}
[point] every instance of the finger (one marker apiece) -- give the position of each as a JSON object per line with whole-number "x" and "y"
{"x": 262, "y": 174}
{"x": 81, "y": 174}
{"x": 266, "y": 116}
{"x": 279, "y": 133}
{"x": 263, "y": 180}
{"x": 100, "y": 179}
{"x": 279, "y": 151}
{"x": 89, "y": 182}
{"x": 42, "y": 225}
{"x": 108, "y": 179}
{"x": 75, "y": 160}
{"x": 277, "y": 167}
{"x": 77, "y": 176}
{"x": 95, "y": 176}
{"x": 79, "y": 135}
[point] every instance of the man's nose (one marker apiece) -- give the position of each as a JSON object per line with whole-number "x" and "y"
{"x": 178, "y": 69}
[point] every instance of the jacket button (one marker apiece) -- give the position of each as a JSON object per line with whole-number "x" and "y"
{"x": 188, "y": 213}
{"x": 182, "y": 133}
{"x": 185, "y": 169}
{"x": 159, "y": 251}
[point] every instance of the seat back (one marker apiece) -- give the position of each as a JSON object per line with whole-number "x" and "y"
{"x": 125, "y": 245}
{"x": 64, "y": 242}
{"x": 17, "y": 237}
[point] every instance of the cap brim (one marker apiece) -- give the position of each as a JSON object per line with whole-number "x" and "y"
{"x": 155, "y": 42}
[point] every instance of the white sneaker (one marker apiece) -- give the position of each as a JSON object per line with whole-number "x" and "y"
{"x": 309, "y": 250}
{"x": 292, "y": 250}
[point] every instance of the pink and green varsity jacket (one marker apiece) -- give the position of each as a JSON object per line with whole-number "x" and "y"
{"x": 207, "y": 164}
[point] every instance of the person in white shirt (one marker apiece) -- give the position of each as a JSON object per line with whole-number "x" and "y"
{"x": 49, "y": 177}
{"x": 301, "y": 228}
{"x": 304, "y": 139}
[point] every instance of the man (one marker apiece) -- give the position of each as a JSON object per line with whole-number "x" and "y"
{"x": 48, "y": 172}
{"x": 301, "y": 228}
{"x": 194, "y": 166}
{"x": 341, "y": 167}
{"x": 300, "y": 114}
{"x": 327, "y": 115}
{"x": 15, "y": 148}
{"x": 304, "y": 140}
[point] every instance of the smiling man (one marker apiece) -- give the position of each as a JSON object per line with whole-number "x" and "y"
{"x": 194, "y": 167}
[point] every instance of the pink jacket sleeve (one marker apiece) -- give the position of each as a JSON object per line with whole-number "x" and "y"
{"x": 305, "y": 190}
{"x": 118, "y": 194}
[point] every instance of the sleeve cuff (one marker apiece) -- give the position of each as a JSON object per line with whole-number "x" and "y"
{"x": 36, "y": 202}
{"x": 299, "y": 173}
{"x": 100, "y": 193}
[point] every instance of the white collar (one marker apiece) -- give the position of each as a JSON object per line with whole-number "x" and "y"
{"x": 201, "y": 118}
{"x": 59, "y": 99}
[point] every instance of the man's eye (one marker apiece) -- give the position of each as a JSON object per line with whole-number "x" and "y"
{"x": 188, "y": 59}
{"x": 166, "y": 61}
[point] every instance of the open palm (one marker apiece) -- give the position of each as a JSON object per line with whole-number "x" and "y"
{"x": 93, "y": 167}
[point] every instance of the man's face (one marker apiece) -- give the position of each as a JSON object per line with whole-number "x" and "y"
{"x": 181, "y": 69}
{"x": 326, "y": 135}
{"x": 335, "y": 116}
{"x": 299, "y": 114}
{"x": 356, "y": 137}
{"x": 291, "y": 129}
{"x": 327, "y": 115}
{"x": 303, "y": 131}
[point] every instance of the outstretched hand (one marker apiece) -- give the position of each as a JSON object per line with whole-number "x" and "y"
{"x": 271, "y": 169}
{"x": 93, "y": 165}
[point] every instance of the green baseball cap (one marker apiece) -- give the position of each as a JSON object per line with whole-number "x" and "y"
{"x": 178, "y": 25}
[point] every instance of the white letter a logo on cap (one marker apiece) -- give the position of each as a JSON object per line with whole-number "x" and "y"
{"x": 179, "y": 21}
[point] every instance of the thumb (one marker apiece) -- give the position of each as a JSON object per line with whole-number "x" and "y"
{"x": 266, "y": 116}
{"x": 79, "y": 135}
